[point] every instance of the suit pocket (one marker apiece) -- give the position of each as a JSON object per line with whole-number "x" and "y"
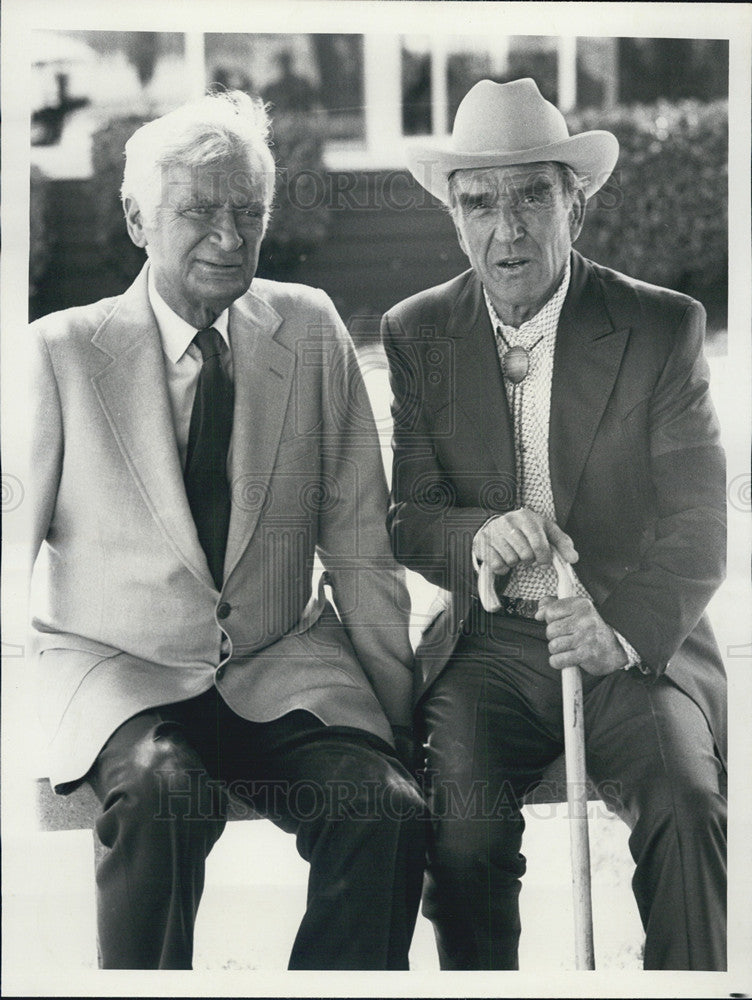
{"x": 62, "y": 671}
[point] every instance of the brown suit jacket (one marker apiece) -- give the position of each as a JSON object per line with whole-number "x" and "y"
{"x": 637, "y": 471}
{"x": 126, "y": 615}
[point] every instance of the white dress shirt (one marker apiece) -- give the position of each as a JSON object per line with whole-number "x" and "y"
{"x": 183, "y": 362}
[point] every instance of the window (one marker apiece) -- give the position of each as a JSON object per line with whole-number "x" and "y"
{"x": 320, "y": 75}
{"x": 416, "y": 85}
{"x": 438, "y": 72}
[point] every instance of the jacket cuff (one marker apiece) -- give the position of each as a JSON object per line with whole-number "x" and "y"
{"x": 633, "y": 657}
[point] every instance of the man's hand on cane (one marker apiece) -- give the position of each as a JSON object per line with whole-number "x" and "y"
{"x": 576, "y": 633}
{"x": 520, "y": 536}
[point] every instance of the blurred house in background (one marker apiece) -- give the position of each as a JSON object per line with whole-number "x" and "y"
{"x": 348, "y": 216}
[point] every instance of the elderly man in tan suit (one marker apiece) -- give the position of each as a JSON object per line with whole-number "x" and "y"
{"x": 196, "y": 443}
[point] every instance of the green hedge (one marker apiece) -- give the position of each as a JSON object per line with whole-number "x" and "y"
{"x": 40, "y": 248}
{"x": 118, "y": 254}
{"x": 300, "y": 215}
{"x": 662, "y": 216}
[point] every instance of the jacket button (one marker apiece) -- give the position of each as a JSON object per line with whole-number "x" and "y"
{"x": 219, "y": 673}
{"x": 223, "y": 610}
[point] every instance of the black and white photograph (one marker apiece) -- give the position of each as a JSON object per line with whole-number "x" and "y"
{"x": 376, "y": 430}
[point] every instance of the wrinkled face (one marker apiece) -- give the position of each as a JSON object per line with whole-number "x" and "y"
{"x": 516, "y": 226}
{"x": 203, "y": 238}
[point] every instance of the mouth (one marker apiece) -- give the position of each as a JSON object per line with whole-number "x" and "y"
{"x": 512, "y": 263}
{"x": 214, "y": 265}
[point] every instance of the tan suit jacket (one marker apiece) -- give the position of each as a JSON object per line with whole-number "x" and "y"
{"x": 126, "y": 615}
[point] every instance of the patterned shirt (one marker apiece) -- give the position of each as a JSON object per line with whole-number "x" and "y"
{"x": 530, "y": 407}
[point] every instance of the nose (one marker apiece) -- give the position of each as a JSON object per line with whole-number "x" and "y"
{"x": 509, "y": 226}
{"x": 225, "y": 232}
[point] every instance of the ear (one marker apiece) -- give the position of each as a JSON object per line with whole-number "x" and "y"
{"x": 460, "y": 238}
{"x": 577, "y": 214}
{"x": 135, "y": 222}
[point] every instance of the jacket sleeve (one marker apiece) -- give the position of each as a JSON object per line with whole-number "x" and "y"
{"x": 432, "y": 531}
{"x": 368, "y": 584}
{"x": 658, "y": 604}
{"x": 45, "y": 445}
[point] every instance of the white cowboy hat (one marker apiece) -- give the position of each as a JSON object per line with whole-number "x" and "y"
{"x": 506, "y": 124}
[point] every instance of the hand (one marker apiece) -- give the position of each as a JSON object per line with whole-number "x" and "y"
{"x": 577, "y": 634}
{"x": 521, "y": 536}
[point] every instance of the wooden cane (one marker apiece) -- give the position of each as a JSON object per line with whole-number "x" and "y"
{"x": 486, "y": 589}
{"x": 577, "y": 799}
{"x": 574, "y": 756}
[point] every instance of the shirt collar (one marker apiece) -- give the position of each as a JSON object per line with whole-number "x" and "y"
{"x": 547, "y": 315}
{"x": 175, "y": 333}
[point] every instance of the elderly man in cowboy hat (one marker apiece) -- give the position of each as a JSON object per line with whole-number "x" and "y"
{"x": 545, "y": 403}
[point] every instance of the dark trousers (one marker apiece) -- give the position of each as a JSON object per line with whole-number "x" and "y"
{"x": 163, "y": 779}
{"x": 493, "y": 721}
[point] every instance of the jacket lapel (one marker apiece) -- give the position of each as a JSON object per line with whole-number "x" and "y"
{"x": 587, "y": 358}
{"x": 262, "y": 372}
{"x": 132, "y": 389}
{"x": 479, "y": 384}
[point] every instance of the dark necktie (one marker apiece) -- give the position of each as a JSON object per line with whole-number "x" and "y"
{"x": 206, "y": 457}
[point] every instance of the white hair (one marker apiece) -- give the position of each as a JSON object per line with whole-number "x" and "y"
{"x": 200, "y": 133}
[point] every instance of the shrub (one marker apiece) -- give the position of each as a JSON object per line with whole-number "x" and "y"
{"x": 300, "y": 216}
{"x": 39, "y": 230}
{"x": 118, "y": 254}
{"x": 662, "y": 216}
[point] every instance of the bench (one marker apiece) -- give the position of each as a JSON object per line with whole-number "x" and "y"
{"x": 80, "y": 809}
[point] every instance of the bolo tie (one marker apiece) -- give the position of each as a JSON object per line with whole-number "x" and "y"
{"x": 515, "y": 367}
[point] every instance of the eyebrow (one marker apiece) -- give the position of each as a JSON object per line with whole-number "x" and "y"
{"x": 469, "y": 199}
{"x": 538, "y": 184}
{"x": 210, "y": 203}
